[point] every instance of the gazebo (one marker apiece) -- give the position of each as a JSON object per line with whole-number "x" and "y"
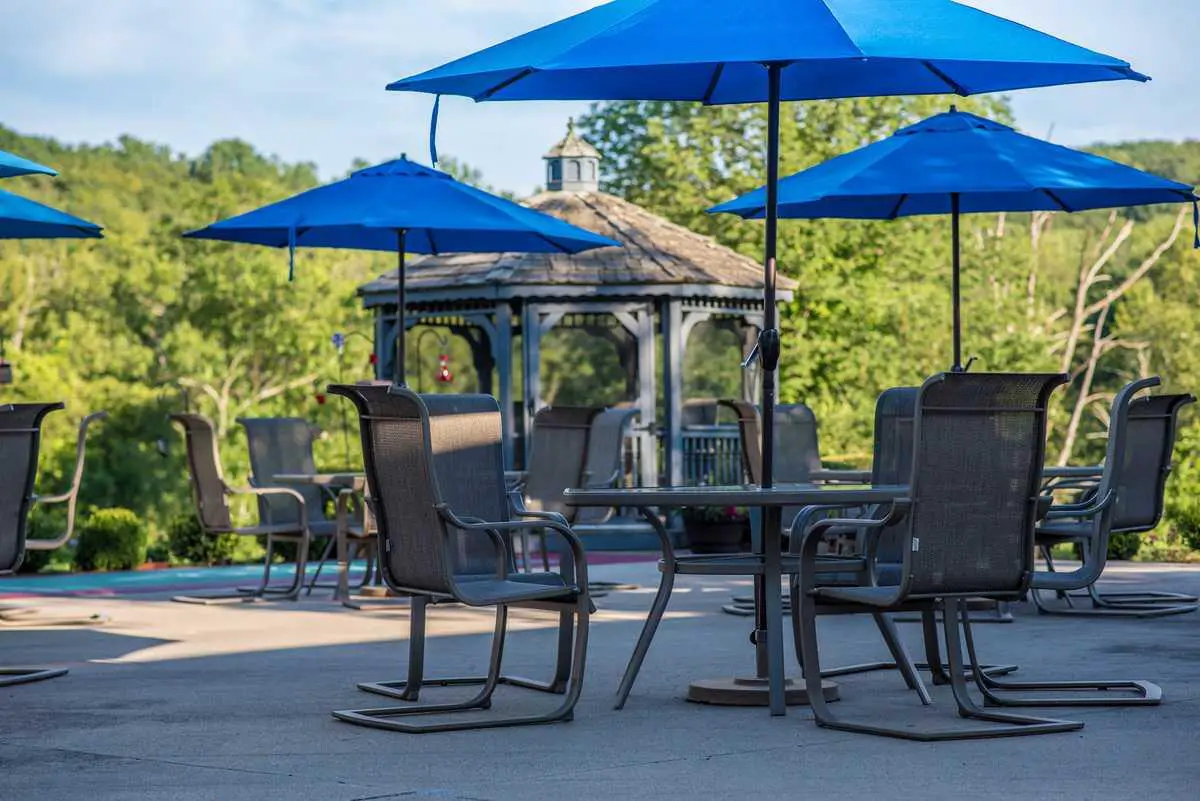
{"x": 649, "y": 294}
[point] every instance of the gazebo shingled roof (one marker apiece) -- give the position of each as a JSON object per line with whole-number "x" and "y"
{"x": 658, "y": 258}
{"x": 663, "y": 282}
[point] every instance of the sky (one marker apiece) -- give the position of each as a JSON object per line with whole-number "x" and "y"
{"x": 303, "y": 79}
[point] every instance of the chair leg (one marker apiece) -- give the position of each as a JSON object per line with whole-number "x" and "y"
{"x": 325, "y": 554}
{"x": 1124, "y": 692}
{"x": 1014, "y": 724}
{"x": 954, "y": 618}
{"x": 10, "y": 677}
{"x": 383, "y": 718}
{"x": 409, "y": 689}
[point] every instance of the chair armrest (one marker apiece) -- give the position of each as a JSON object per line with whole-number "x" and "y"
{"x": 302, "y": 512}
{"x": 515, "y": 479}
{"x": 1086, "y": 509}
{"x": 812, "y": 536}
{"x": 518, "y": 505}
{"x": 578, "y": 553}
{"x": 807, "y": 517}
{"x": 71, "y": 495}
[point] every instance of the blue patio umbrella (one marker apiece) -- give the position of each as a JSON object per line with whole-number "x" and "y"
{"x": 21, "y": 218}
{"x": 957, "y": 163}
{"x": 12, "y": 165}
{"x": 748, "y": 51}
{"x": 401, "y": 207}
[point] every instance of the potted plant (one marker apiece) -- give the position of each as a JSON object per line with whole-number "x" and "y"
{"x": 716, "y": 529}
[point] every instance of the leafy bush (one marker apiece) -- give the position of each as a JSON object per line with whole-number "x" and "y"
{"x": 112, "y": 539}
{"x": 187, "y": 542}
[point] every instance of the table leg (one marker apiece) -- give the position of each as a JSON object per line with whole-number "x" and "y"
{"x": 661, "y": 598}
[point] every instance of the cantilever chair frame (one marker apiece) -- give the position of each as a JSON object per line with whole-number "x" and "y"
{"x": 215, "y": 519}
{"x": 10, "y": 676}
{"x": 569, "y": 599}
{"x": 939, "y": 397}
{"x": 1101, "y": 505}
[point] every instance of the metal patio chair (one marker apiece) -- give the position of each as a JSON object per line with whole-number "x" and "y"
{"x": 1135, "y": 487}
{"x": 435, "y": 466}
{"x": 211, "y": 495}
{"x": 557, "y": 460}
{"x": 20, "y": 436}
{"x": 968, "y": 526}
{"x": 284, "y": 445}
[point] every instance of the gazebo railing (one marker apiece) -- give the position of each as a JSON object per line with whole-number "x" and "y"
{"x": 712, "y": 455}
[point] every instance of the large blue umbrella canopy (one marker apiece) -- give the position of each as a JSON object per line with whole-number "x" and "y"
{"x": 12, "y": 165}
{"x": 401, "y": 206}
{"x": 21, "y": 218}
{"x": 716, "y": 51}
{"x": 958, "y": 163}
{"x": 745, "y": 51}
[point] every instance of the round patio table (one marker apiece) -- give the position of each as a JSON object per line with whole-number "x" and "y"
{"x": 768, "y": 685}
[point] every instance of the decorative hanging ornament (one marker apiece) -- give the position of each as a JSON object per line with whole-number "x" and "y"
{"x": 444, "y": 375}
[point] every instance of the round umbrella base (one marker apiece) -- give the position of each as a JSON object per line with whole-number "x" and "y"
{"x": 752, "y": 691}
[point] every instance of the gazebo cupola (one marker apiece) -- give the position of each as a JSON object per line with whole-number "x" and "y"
{"x": 572, "y": 165}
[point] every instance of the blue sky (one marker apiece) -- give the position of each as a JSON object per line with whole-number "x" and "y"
{"x": 304, "y": 78}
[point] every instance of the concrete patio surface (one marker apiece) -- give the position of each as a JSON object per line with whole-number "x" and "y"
{"x": 224, "y": 703}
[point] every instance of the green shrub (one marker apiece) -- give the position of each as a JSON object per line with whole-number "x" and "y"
{"x": 112, "y": 539}
{"x": 187, "y": 542}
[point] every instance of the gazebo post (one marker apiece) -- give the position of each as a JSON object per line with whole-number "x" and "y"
{"x": 647, "y": 394}
{"x": 502, "y": 355}
{"x": 672, "y": 324}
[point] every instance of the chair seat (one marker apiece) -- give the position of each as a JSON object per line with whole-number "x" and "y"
{"x": 516, "y": 587}
{"x": 280, "y": 530}
{"x": 322, "y": 528}
{"x": 866, "y": 596}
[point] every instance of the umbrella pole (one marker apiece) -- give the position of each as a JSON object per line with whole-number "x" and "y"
{"x": 401, "y": 332}
{"x": 768, "y": 612}
{"x": 956, "y": 289}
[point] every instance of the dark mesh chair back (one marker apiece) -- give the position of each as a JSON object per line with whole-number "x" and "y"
{"x": 422, "y": 452}
{"x": 977, "y": 466}
{"x": 20, "y": 434}
{"x": 204, "y": 471}
{"x": 283, "y": 445}
{"x": 1149, "y": 446}
{"x": 557, "y": 454}
{"x": 891, "y": 459}
{"x": 797, "y": 448}
{"x": 605, "y": 453}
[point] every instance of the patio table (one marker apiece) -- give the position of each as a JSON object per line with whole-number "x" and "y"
{"x": 765, "y": 564}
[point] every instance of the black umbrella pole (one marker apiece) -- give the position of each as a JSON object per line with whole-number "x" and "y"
{"x": 956, "y": 289}
{"x": 401, "y": 305}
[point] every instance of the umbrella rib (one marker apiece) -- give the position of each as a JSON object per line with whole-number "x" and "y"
{"x": 954, "y": 85}
{"x": 433, "y": 248}
{"x": 896, "y": 211}
{"x": 712, "y": 84}
{"x": 1058, "y": 200}
{"x": 507, "y": 82}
